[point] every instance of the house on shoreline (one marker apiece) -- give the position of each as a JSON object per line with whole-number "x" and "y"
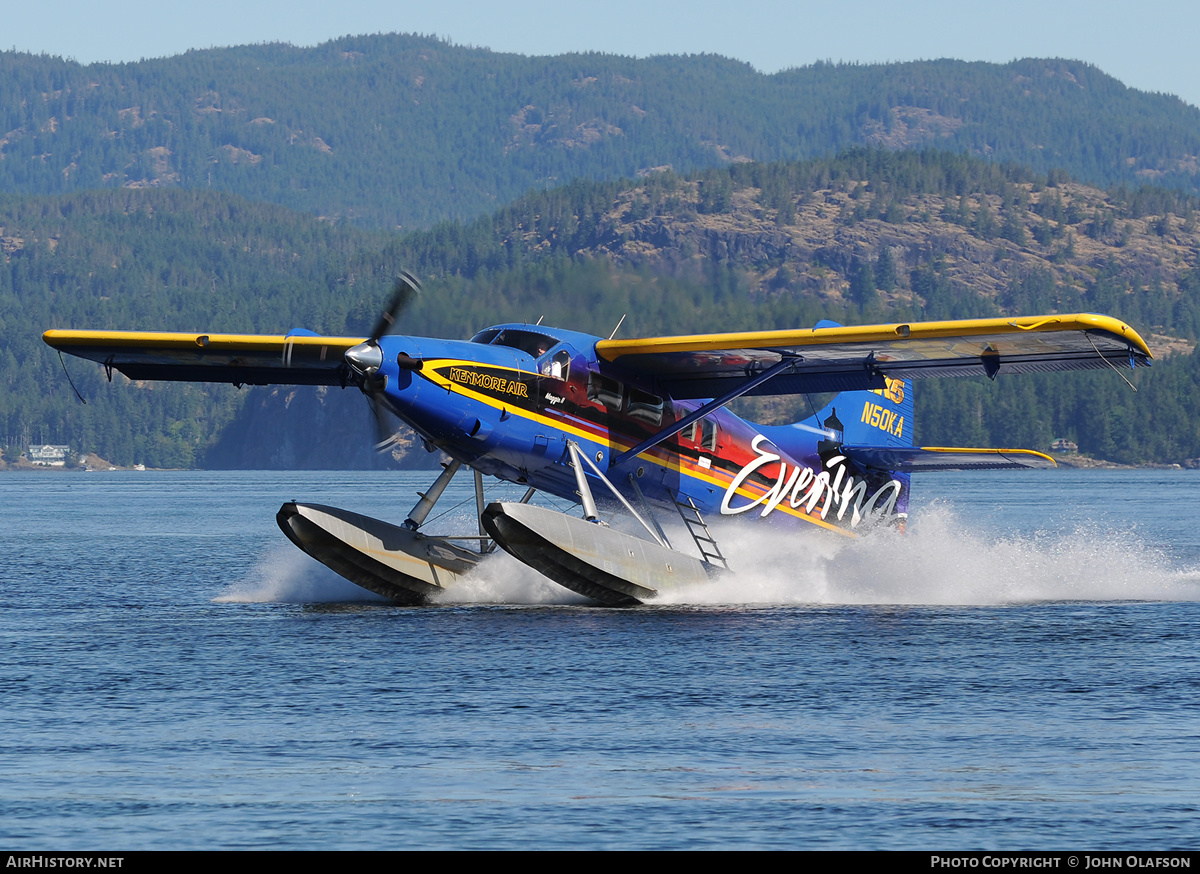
{"x": 48, "y": 455}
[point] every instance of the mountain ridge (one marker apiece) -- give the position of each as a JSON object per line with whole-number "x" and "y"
{"x": 402, "y": 130}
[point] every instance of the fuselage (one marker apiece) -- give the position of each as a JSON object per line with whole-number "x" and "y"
{"x": 508, "y": 401}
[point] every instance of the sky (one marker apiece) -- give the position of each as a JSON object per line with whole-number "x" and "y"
{"x": 1149, "y": 45}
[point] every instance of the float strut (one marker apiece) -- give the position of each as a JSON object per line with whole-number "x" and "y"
{"x": 662, "y": 535}
{"x": 589, "y": 503}
{"x": 416, "y": 517}
{"x": 486, "y": 544}
{"x": 590, "y": 513}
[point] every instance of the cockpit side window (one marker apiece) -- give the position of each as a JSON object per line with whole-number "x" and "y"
{"x": 557, "y": 366}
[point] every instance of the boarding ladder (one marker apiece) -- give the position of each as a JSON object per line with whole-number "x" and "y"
{"x": 709, "y": 550}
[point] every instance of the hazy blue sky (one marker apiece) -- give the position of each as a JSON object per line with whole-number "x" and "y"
{"x": 1149, "y": 45}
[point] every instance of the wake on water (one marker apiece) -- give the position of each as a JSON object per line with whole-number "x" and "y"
{"x": 944, "y": 561}
{"x": 941, "y": 560}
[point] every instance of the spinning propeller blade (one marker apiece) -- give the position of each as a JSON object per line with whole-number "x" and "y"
{"x": 404, "y": 292}
{"x": 366, "y": 358}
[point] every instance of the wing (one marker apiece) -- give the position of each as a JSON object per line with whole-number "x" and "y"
{"x": 850, "y": 359}
{"x": 241, "y": 359}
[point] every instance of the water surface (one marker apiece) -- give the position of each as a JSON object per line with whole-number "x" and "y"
{"x": 1021, "y": 670}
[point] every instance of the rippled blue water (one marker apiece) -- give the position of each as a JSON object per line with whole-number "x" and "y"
{"x": 1020, "y": 671}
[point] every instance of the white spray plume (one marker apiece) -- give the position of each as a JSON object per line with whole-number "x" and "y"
{"x": 941, "y": 560}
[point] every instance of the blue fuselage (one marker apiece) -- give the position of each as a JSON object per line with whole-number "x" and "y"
{"x": 508, "y": 401}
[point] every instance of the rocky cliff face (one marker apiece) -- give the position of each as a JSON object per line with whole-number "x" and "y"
{"x": 979, "y": 241}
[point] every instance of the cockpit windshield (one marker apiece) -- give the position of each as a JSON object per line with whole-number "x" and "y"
{"x": 486, "y": 337}
{"x": 532, "y": 343}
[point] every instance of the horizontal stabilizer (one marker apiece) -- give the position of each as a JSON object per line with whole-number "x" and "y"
{"x": 910, "y": 459}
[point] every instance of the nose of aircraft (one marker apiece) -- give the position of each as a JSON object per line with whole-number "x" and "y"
{"x": 365, "y": 358}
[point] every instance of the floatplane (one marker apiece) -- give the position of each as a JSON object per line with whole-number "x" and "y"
{"x": 643, "y": 423}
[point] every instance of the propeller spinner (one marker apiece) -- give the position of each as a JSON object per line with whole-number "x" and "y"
{"x": 365, "y": 358}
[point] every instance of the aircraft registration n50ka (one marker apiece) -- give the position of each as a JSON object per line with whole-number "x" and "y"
{"x": 643, "y": 423}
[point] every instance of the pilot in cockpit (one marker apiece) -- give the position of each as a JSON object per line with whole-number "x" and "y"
{"x": 556, "y": 367}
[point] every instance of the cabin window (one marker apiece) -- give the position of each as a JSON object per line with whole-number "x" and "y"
{"x": 605, "y": 390}
{"x": 703, "y": 433}
{"x": 645, "y": 407}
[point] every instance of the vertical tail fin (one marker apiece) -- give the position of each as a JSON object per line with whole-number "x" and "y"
{"x": 882, "y": 417}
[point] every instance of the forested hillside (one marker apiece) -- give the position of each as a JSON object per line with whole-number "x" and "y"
{"x": 166, "y": 260}
{"x": 395, "y": 131}
{"x": 873, "y": 235}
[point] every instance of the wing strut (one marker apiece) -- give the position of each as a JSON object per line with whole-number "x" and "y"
{"x": 787, "y": 365}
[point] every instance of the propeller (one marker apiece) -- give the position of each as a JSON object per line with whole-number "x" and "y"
{"x": 366, "y": 358}
{"x": 404, "y": 292}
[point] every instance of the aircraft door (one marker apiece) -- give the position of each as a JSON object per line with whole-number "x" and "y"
{"x": 703, "y": 439}
{"x": 558, "y": 394}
